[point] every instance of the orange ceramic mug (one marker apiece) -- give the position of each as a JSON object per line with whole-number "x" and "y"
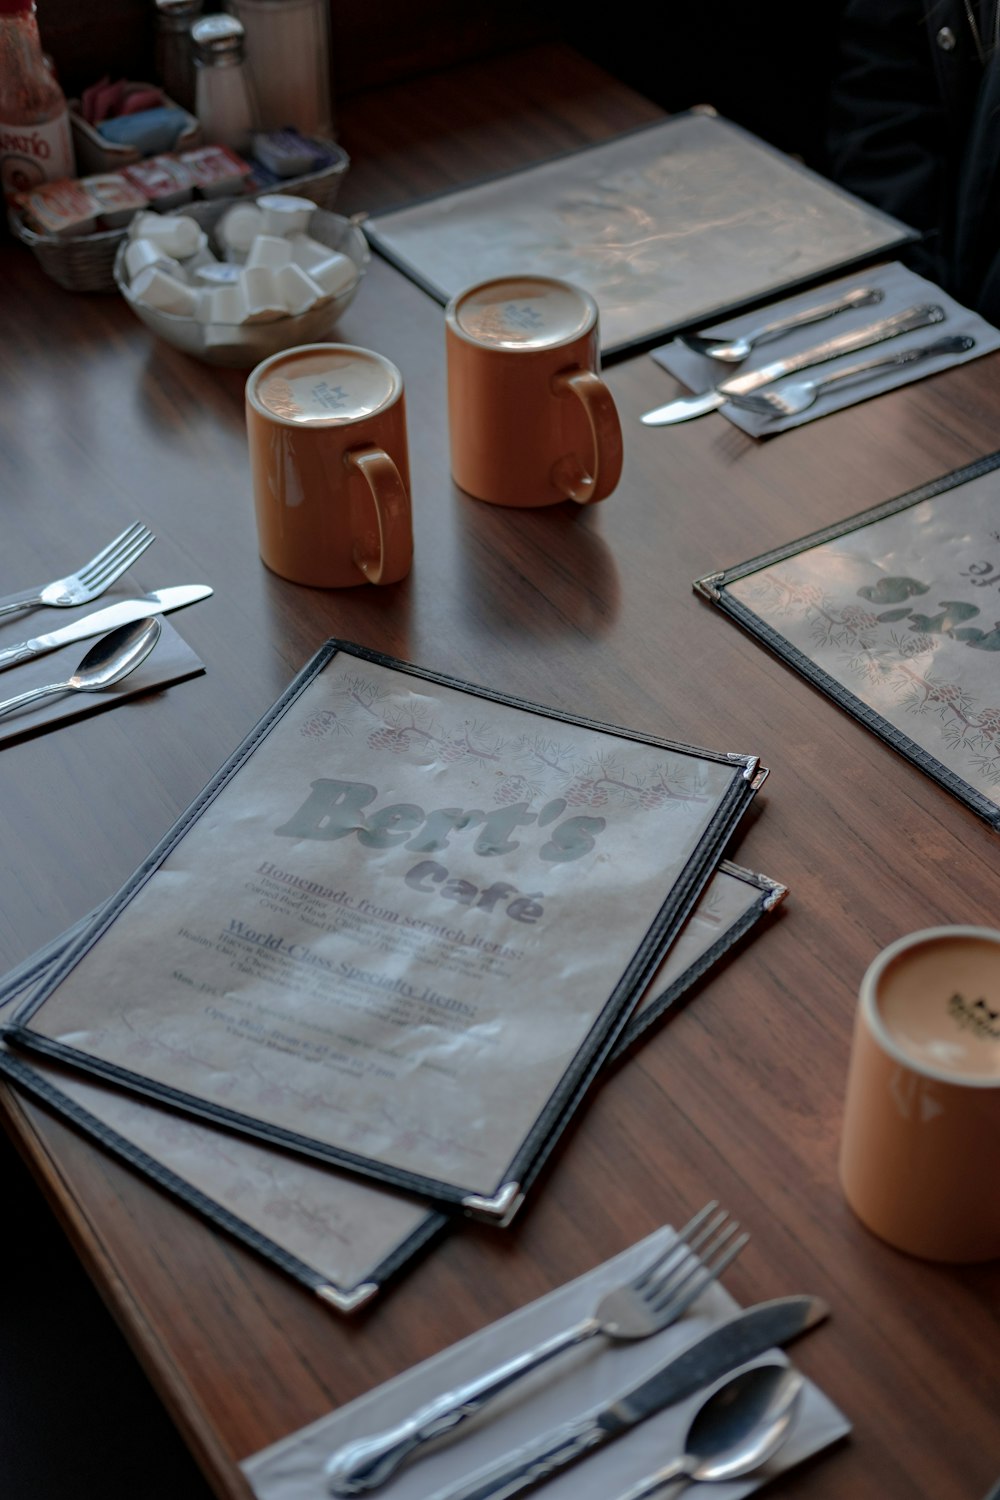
{"x": 918, "y": 1158}
{"x": 329, "y": 459}
{"x": 530, "y": 420}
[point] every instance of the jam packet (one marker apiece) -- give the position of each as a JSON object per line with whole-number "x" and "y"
{"x": 165, "y": 180}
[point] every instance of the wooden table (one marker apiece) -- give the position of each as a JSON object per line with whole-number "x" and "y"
{"x": 740, "y": 1097}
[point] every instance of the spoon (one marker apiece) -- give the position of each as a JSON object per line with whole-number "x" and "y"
{"x": 731, "y": 351}
{"x": 740, "y": 1424}
{"x": 110, "y": 659}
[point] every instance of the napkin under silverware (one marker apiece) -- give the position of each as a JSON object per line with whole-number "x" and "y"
{"x": 901, "y": 287}
{"x": 587, "y": 1377}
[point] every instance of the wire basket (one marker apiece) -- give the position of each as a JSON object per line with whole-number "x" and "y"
{"x": 85, "y": 262}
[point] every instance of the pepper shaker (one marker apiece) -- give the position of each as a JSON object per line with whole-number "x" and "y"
{"x": 174, "y": 59}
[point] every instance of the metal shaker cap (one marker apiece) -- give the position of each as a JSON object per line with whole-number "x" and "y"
{"x": 182, "y": 10}
{"x": 218, "y": 39}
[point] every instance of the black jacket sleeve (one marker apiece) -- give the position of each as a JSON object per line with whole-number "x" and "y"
{"x": 890, "y": 137}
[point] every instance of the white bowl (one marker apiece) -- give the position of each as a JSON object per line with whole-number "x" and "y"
{"x": 243, "y": 345}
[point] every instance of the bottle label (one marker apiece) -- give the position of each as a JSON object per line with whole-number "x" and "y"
{"x": 32, "y": 154}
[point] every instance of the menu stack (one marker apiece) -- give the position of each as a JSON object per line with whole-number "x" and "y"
{"x": 388, "y": 949}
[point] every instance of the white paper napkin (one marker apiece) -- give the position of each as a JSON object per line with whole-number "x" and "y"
{"x": 580, "y": 1381}
{"x": 902, "y": 288}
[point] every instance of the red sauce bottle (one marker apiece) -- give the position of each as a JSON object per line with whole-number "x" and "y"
{"x": 35, "y": 141}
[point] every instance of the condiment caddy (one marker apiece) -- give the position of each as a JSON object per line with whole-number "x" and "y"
{"x": 82, "y": 259}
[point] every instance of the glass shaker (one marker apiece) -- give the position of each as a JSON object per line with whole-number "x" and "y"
{"x": 174, "y": 62}
{"x": 224, "y": 100}
{"x": 288, "y": 51}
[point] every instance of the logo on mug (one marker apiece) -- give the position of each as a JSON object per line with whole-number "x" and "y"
{"x": 333, "y": 397}
{"x": 976, "y": 1016}
{"x": 522, "y": 315}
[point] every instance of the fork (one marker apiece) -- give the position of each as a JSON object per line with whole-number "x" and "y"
{"x": 90, "y": 580}
{"x": 655, "y": 1298}
{"x": 794, "y": 396}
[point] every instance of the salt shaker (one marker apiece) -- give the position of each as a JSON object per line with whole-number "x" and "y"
{"x": 223, "y": 95}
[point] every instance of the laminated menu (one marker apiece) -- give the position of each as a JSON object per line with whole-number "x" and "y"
{"x": 401, "y": 929}
{"x": 670, "y": 226}
{"x": 894, "y": 614}
{"x": 341, "y": 1237}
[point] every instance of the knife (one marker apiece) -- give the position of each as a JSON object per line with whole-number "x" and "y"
{"x": 844, "y": 343}
{"x": 156, "y": 603}
{"x": 728, "y": 1346}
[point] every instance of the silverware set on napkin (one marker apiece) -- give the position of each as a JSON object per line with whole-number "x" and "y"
{"x": 758, "y": 390}
{"x": 133, "y": 630}
{"x": 760, "y": 1410}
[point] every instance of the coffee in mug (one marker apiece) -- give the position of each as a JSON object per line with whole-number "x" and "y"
{"x": 328, "y": 453}
{"x": 530, "y": 420}
{"x": 918, "y": 1159}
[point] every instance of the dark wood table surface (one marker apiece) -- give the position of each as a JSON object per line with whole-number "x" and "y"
{"x": 740, "y": 1096}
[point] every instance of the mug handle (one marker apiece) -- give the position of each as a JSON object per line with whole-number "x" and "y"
{"x": 606, "y": 436}
{"x": 392, "y": 515}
